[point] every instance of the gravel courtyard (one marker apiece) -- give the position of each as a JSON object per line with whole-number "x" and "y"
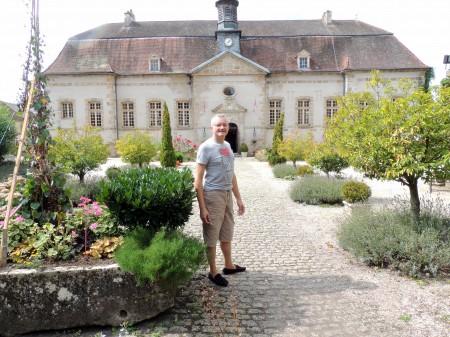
{"x": 299, "y": 282}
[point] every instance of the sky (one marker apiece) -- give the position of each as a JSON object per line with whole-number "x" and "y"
{"x": 423, "y": 26}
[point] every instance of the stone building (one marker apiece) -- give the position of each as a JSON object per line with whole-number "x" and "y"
{"x": 118, "y": 76}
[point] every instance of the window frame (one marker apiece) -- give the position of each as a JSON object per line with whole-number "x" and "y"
{"x": 151, "y": 63}
{"x": 276, "y": 110}
{"x": 98, "y": 113}
{"x": 300, "y": 121}
{"x": 334, "y": 107}
{"x": 126, "y": 112}
{"x": 157, "y": 113}
{"x": 70, "y": 113}
{"x": 186, "y": 116}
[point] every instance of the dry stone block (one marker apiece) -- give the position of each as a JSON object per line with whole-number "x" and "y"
{"x": 67, "y": 297}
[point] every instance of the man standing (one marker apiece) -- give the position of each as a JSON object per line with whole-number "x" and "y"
{"x": 215, "y": 164}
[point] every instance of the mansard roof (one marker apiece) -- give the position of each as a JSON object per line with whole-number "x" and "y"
{"x": 184, "y": 45}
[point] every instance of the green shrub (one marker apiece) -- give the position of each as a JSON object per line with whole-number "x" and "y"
{"x": 274, "y": 158}
{"x": 261, "y": 155}
{"x": 136, "y": 148}
{"x": 89, "y": 188}
{"x": 304, "y": 170}
{"x": 167, "y": 258}
{"x": 327, "y": 161}
{"x": 244, "y": 147}
{"x": 390, "y": 237}
{"x": 283, "y": 170}
{"x": 315, "y": 190}
{"x": 354, "y": 191}
{"x": 179, "y": 156}
{"x": 112, "y": 172}
{"x": 7, "y": 132}
{"x": 149, "y": 197}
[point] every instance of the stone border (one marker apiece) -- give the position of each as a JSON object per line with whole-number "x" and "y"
{"x": 68, "y": 297}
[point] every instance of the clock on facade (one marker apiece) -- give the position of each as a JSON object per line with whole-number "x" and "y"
{"x": 228, "y": 42}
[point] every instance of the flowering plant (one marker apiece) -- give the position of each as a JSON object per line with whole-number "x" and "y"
{"x": 184, "y": 145}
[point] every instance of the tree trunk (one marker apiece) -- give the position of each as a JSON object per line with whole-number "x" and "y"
{"x": 81, "y": 176}
{"x": 414, "y": 198}
{"x": 295, "y": 166}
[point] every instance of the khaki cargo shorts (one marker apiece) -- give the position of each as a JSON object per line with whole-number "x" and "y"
{"x": 220, "y": 208}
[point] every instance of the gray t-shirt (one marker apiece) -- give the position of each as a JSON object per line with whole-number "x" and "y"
{"x": 219, "y": 161}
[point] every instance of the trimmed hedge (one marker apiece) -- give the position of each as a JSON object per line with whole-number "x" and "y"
{"x": 284, "y": 171}
{"x": 150, "y": 197}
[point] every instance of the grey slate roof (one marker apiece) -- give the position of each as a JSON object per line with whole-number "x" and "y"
{"x": 184, "y": 45}
{"x": 207, "y": 28}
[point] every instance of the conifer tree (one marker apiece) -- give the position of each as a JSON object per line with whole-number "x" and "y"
{"x": 274, "y": 157}
{"x": 167, "y": 156}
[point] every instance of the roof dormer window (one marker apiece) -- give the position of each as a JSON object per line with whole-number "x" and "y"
{"x": 155, "y": 64}
{"x": 303, "y": 60}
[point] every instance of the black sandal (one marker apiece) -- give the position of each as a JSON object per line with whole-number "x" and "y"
{"x": 237, "y": 269}
{"x": 218, "y": 280}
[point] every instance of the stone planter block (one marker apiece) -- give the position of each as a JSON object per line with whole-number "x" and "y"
{"x": 67, "y": 297}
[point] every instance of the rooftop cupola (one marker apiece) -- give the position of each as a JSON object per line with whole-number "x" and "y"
{"x": 228, "y": 33}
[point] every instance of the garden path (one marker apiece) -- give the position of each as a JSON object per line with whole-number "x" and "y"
{"x": 299, "y": 282}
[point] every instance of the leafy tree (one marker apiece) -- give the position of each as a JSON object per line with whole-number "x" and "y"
{"x": 79, "y": 153}
{"x": 136, "y": 148}
{"x": 167, "y": 156}
{"x": 294, "y": 147}
{"x": 327, "y": 160}
{"x": 273, "y": 155}
{"x": 7, "y": 132}
{"x": 404, "y": 139}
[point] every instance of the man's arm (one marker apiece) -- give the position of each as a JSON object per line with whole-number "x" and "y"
{"x": 198, "y": 184}
{"x": 237, "y": 196}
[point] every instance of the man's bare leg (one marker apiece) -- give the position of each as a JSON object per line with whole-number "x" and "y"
{"x": 226, "y": 250}
{"x": 211, "y": 255}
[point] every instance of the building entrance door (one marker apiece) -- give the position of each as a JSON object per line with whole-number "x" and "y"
{"x": 232, "y": 137}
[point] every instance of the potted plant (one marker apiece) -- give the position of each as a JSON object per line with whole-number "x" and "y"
{"x": 244, "y": 150}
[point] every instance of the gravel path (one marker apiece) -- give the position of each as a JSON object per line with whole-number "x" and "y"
{"x": 299, "y": 282}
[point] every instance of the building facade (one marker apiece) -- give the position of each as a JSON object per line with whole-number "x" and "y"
{"x": 118, "y": 76}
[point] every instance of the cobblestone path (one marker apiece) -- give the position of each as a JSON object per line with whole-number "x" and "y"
{"x": 298, "y": 283}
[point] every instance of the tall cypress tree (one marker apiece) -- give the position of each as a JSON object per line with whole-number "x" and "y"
{"x": 167, "y": 156}
{"x": 274, "y": 157}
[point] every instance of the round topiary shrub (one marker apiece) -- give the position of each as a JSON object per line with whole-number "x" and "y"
{"x": 112, "y": 172}
{"x": 304, "y": 170}
{"x": 150, "y": 197}
{"x": 283, "y": 171}
{"x": 354, "y": 191}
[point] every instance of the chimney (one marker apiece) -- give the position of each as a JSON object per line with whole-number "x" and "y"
{"x": 326, "y": 18}
{"x": 129, "y": 18}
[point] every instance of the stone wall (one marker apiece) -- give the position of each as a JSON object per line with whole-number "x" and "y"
{"x": 66, "y": 297}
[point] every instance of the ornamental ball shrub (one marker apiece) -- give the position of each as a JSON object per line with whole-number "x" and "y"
{"x": 354, "y": 191}
{"x": 150, "y": 197}
{"x": 283, "y": 170}
{"x": 112, "y": 172}
{"x": 315, "y": 190}
{"x": 304, "y": 170}
{"x": 244, "y": 147}
{"x": 179, "y": 156}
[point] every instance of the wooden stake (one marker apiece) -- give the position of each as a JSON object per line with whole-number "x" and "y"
{"x": 4, "y": 245}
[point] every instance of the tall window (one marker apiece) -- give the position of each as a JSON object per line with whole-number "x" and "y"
{"x": 183, "y": 108}
{"x": 303, "y": 112}
{"x": 67, "y": 109}
{"x": 331, "y": 107}
{"x": 154, "y": 113}
{"x": 128, "y": 114}
{"x": 274, "y": 111}
{"x": 95, "y": 113}
{"x": 155, "y": 64}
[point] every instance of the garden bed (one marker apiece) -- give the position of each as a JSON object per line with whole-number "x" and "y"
{"x": 63, "y": 297}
